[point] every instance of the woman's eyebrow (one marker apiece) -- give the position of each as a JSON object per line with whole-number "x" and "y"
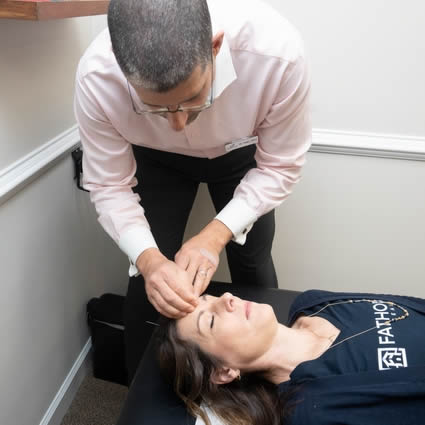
{"x": 204, "y": 297}
{"x": 197, "y": 322}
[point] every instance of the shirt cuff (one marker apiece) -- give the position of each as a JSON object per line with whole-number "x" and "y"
{"x": 133, "y": 242}
{"x": 239, "y": 217}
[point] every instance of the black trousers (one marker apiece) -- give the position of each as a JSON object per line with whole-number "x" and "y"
{"x": 167, "y": 184}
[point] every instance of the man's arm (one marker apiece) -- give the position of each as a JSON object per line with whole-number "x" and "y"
{"x": 109, "y": 174}
{"x": 284, "y": 137}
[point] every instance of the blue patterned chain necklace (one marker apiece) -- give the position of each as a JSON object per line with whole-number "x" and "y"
{"x": 390, "y": 303}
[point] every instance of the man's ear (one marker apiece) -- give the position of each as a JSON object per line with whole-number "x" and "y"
{"x": 224, "y": 375}
{"x": 217, "y": 41}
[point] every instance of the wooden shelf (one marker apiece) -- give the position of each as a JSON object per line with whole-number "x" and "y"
{"x": 40, "y": 10}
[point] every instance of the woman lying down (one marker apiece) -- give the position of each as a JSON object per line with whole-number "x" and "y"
{"x": 343, "y": 359}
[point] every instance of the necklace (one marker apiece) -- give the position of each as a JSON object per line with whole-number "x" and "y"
{"x": 390, "y": 303}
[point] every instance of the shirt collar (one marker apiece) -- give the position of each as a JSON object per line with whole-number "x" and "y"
{"x": 225, "y": 72}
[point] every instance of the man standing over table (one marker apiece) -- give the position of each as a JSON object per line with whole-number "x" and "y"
{"x": 178, "y": 92}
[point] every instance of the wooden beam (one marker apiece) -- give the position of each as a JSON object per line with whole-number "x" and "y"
{"x": 44, "y": 10}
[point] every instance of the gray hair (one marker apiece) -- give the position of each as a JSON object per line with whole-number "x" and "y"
{"x": 159, "y": 43}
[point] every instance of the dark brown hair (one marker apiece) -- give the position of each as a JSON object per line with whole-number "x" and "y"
{"x": 250, "y": 401}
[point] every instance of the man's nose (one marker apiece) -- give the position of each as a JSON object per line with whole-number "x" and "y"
{"x": 177, "y": 120}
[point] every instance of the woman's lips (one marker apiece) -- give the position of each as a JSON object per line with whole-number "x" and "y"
{"x": 247, "y": 309}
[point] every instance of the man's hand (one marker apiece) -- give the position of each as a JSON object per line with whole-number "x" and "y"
{"x": 199, "y": 256}
{"x": 168, "y": 286}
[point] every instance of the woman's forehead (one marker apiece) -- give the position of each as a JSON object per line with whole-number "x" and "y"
{"x": 188, "y": 325}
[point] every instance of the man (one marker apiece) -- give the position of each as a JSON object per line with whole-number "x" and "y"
{"x": 176, "y": 93}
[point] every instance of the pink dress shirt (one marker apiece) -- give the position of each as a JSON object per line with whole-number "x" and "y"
{"x": 262, "y": 87}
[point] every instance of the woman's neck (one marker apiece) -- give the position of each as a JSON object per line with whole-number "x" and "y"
{"x": 291, "y": 347}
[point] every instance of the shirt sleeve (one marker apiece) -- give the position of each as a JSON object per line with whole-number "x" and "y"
{"x": 284, "y": 137}
{"x": 109, "y": 171}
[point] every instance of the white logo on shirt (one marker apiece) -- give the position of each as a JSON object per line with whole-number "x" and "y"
{"x": 390, "y": 358}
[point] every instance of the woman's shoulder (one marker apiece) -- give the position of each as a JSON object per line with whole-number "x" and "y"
{"x": 314, "y": 297}
{"x": 307, "y": 300}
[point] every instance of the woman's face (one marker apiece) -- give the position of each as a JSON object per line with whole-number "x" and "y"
{"x": 234, "y": 330}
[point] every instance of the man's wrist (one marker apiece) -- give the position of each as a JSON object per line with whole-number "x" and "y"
{"x": 218, "y": 233}
{"x": 146, "y": 258}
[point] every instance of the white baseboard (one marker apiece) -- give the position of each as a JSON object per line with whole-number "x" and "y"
{"x": 69, "y": 388}
{"x": 26, "y": 169}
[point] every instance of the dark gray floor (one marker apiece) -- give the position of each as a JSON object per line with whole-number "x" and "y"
{"x": 97, "y": 402}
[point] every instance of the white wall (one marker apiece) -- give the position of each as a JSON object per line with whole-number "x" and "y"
{"x": 54, "y": 257}
{"x": 353, "y": 222}
{"x": 53, "y": 254}
{"x": 36, "y": 84}
{"x": 368, "y": 62}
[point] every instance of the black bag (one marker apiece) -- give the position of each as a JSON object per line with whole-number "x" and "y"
{"x": 105, "y": 319}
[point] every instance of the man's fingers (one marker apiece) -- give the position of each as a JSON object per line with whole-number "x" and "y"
{"x": 170, "y": 312}
{"x": 163, "y": 307}
{"x": 193, "y": 262}
{"x": 192, "y": 271}
{"x": 213, "y": 259}
{"x": 183, "y": 289}
{"x": 177, "y": 297}
{"x": 201, "y": 264}
{"x": 182, "y": 260}
{"x": 202, "y": 278}
{"x": 206, "y": 282}
{"x": 163, "y": 291}
{"x": 198, "y": 283}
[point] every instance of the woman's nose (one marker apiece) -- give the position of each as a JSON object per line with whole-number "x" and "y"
{"x": 177, "y": 120}
{"x": 227, "y": 301}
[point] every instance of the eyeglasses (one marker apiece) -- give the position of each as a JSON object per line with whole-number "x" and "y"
{"x": 180, "y": 108}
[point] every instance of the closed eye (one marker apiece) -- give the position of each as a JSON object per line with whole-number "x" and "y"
{"x": 204, "y": 297}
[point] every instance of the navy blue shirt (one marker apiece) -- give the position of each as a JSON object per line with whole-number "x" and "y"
{"x": 399, "y": 344}
{"x": 374, "y": 378}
